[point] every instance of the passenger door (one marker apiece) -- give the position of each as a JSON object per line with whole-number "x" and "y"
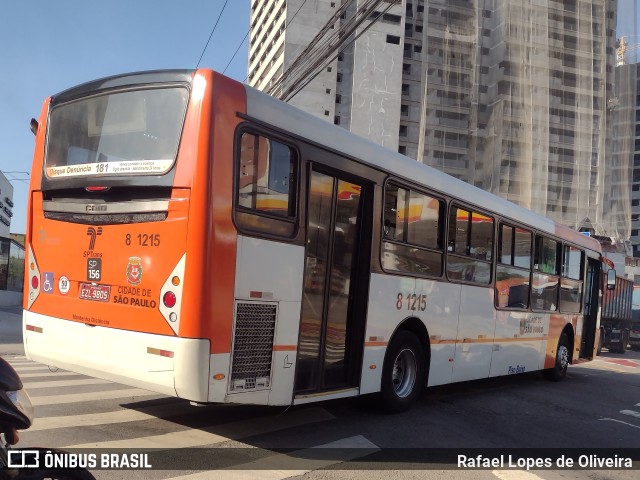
{"x": 336, "y": 268}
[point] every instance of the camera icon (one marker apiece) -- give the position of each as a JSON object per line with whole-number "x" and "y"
{"x": 23, "y": 458}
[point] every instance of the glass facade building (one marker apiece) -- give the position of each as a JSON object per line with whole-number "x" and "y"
{"x": 511, "y": 96}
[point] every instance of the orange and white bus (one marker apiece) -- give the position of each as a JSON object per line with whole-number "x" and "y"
{"x": 190, "y": 235}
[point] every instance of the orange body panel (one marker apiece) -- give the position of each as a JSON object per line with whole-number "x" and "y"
{"x": 34, "y": 184}
{"x": 64, "y": 250}
{"x": 199, "y": 223}
{"x": 556, "y": 326}
{"x": 209, "y": 288}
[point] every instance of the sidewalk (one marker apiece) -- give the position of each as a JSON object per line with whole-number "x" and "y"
{"x": 15, "y": 310}
{"x": 11, "y": 331}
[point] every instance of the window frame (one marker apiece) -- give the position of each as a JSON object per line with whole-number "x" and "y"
{"x": 457, "y": 204}
{"x": 399, "y": 184}
{"x": 511, "y": 265}
{"x": 266, "y": 219}
{"x": 536, "y": 269}
{"x": 580, "y": 280}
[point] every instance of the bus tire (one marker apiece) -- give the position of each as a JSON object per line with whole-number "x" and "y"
{"x": 403, "y": 372}
{"x": 624, "y": 340}
{"x": 563, "y": 352}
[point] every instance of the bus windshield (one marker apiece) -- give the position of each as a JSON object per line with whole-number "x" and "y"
{"x": 119, "y": 133}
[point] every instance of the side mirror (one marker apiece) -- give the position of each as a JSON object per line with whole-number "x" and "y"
{"x": 611, "y": 279}
{"x": 33, "y": 125}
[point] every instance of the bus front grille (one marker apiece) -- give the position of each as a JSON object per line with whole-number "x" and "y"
{"x": 255, "y": 325}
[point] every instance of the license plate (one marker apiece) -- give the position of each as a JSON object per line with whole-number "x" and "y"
{"x": 100, "y": 293}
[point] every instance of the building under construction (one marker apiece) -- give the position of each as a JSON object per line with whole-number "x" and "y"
{"x": 510, "y": 96}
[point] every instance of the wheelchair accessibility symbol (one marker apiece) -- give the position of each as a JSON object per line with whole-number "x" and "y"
{"x": 47, "y": 282}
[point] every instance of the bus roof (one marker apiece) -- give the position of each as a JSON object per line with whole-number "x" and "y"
{"x": 291, "y": 119}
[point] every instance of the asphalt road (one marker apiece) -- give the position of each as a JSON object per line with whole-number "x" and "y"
{"x": 596, "y": 407}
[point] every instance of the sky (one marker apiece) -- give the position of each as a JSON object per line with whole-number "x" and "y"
{"x": 627, "y": 26}
{"x": 49, "y": 46}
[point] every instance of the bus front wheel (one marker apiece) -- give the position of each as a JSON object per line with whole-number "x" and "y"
{"x": 403, "y": 372}
{"x": 563, "y": 355}
{"x": 624, "y": 341}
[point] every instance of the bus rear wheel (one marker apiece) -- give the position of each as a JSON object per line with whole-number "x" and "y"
{"x": 563, "y": 355}
{"x": 624, "y": 341}
{"x": 403, "y": 372}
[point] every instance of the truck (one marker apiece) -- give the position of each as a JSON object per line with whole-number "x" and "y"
{"x": 634, "y": 334}
{"x": 616, "y": 319}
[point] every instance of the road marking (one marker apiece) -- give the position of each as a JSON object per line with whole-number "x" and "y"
{"x": 620, "y": 421}
{"x": 230, "y": 431}
{"x": 93, "y": 419}
{"x": 515, "y": 475}
{"x": 46, "y": 374}
{"x": 604, "y": 366}
{"x": 622, "y": 361}
{"x": 65, "y": 383}
{"x": 33, "y": 368}
{"x": 295, "y": 464}
{"x": 16, "y": 359}
{"x": 88, "y": 397}
{"x": 630, "y": 412}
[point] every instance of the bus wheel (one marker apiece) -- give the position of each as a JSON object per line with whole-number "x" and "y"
{"x": 559, "y": 370}
{"x": 403, "y": 372}
{"x": 624, "y": 340}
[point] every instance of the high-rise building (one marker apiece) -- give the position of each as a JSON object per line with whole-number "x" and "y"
{"x": 510, "y": 96}
{"x": 625, "y": 110}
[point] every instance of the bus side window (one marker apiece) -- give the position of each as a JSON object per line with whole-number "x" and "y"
{"x": 411, "y": 232}
{"x": 571, "y": 282}
{"x": 470, "y": 247}
{"x": 513, "y": 274}
{"x": 544, "y": 290}
{"x": 266, "y": 185}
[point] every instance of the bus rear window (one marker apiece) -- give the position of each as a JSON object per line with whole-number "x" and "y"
{"x": 121, "y": 133}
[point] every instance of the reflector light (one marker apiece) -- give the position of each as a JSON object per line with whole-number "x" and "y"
{"x": 33, "y": 265}
{"x": 96, "y": 189}
{"x": 175, "y": 281}
{"x": 162, "y": 353}
{"x": 218, "y": 376}
{"x": 169, "y": 299}
{"x": 34, "y": 282}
